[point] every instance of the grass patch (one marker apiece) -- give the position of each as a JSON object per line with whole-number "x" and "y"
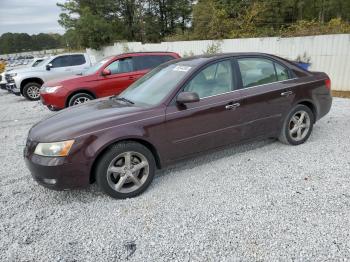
{"x": 344, "y": 94}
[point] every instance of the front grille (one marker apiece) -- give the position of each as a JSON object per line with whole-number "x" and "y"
{"x": 0, "y": 78}
{"x": 8, "y": 78}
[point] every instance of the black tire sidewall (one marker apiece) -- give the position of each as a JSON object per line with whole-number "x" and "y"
{"x": 286, "y": 124}
{"x": 76, "y": 96}
{"x": 25, "y": 88}
{"x": 109, "y": 155}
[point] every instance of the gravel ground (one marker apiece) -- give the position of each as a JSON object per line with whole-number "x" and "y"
{"x": 260, "y": 201}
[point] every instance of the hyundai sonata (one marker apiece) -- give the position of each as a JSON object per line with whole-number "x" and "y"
{"x": 179, "y": 109}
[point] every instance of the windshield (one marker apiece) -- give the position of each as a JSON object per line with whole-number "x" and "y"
{"x": 37, "y": 62}
{"x": 42, "y": 62}
{"x": 93, "y": 69}
{"x": 156, "y": 85}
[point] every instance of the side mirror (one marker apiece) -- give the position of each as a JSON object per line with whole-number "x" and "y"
{"x": 106, "y": 72}
{"x": 48, "y": 67}
{"x": 187, "y": 97}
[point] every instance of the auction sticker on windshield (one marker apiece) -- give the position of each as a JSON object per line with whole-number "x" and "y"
{"x": 182, "y": 68}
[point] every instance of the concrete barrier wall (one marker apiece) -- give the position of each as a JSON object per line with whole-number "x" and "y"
{"x": 328, "y": 53}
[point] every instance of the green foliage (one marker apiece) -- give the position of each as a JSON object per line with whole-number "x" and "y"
{"x": 20, "y": 42}
{"x": 218, "y": 19}
{"x": 305, "y": 28}
{"x": 213, "y": 48}
{"x": 98, "y": 23}
{"x": 94, "y": 24}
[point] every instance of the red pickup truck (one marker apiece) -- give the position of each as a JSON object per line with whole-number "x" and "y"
{"x": 107, "y": 77}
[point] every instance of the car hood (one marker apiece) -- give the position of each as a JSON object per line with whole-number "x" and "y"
{"x": 26, "y": 69}
{"x": 69, "y": 80}
{"x": 88, "y": 118}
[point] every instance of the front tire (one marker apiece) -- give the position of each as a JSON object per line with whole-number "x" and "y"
{"x": 297, "y": 126}
{"x": 79, "y": 98}
{"x": 125, "y": 170}
{"x": 31, "y": 91}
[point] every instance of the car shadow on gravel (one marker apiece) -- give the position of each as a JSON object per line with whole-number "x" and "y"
{"x": 213, "y": 155}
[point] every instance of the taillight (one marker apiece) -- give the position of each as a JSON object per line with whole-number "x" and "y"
{"x": 328, "y": 84}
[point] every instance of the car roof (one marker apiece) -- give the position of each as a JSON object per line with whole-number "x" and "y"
{"x": 63, "y": 54}
{"x": 148, "y": 52}
{"x": 202, "y": 59}
{"x": 141, "y": 53}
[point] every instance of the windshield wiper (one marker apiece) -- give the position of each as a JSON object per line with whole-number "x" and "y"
{"x": 123, "y": 99}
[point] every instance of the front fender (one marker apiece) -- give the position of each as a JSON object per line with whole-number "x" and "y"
{"x": 100, "y": 142}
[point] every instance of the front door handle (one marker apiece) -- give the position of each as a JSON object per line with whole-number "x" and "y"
{"x": 232, "y": 106}
{"x": 288, "y": 93}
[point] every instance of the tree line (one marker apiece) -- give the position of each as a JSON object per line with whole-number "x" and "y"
{"x": 94, "y": 24}
{"x": 22, "y": 42}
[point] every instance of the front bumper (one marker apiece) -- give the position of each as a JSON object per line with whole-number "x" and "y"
{"x": 55, "y": 173}
{"x": 56, "y": 101}
{"x": 12, "y": 88}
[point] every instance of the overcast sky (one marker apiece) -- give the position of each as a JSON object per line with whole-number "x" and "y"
{"x": 29, "y": 16}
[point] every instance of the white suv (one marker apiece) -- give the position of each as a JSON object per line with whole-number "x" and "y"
{"x": 27, "y": 81}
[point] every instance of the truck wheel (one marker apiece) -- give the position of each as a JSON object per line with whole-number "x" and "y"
{"x": 79, "y": 98}
{"x": 31, "y": 91}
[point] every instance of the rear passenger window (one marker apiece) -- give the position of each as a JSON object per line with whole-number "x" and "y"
{"x": 260, "y": 71}
{"x": 150, "y": 61}
{"x": 77, "y": 60}
{"x": 282, "y": 72}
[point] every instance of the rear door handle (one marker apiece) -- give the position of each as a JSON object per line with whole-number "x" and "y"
{"x": 232, "y": 106}
{"x": 288, "y": 93}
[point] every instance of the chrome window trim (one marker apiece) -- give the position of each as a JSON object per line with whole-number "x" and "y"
{"x": 250, "y": 87}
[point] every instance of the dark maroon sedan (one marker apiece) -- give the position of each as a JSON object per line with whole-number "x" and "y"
{"x": 179, "y": 109}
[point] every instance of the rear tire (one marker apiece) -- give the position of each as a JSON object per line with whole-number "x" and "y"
{"x": 79, "y": 98}
{"x": 297, "y": 126}
{"x": 125, "y": 170}
{"x": 31, "y": 91}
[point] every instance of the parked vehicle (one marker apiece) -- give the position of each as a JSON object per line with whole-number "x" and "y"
{"x": 27, "y": 81}
{"x": 2, "y": 81}
{"x": 179, "y": 109}
{"x": 108, "y": 77}
{"x": 33, "y": 63}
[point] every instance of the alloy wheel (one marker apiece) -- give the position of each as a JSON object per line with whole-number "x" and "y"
{"x": 81, "y": 100}
{"x": 299, "y": 125}
{"x": 33, "y": 92}
{"x": 128, "y": 172}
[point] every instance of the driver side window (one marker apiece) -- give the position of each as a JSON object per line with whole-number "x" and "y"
{"x": 213, "y": 80}
{"x": 123, "y": 65}
{"x": 61, "y": 61}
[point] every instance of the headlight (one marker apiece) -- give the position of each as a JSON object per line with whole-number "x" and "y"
{"x": 12, "y": 74}
{"x": 50, "y": 89}
{"x": 54, "y": 149}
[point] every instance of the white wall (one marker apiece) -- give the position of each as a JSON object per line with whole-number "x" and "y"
{"x": 328, "y": 53}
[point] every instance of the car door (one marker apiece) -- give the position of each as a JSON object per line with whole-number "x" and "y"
{"x": 59, "y": 68}
{"x": 267, "y": 95}
{"x": 214, "y": 121}
{"x": 77, "y": 64}
{"x": 122, "y": 75}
